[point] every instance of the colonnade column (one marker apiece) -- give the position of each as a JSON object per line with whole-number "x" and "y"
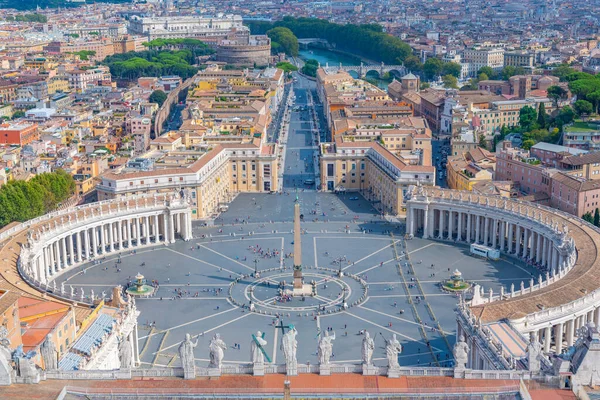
{"x": 450, "y": 225}
{"x": 510, "y": 238}
{"x": 78, "y": 254}
{"x": 525, "y": 240}
{"x": 51, "y": 251}
{"x": 94, "y": 232}
{"x": 86, "y": 234}
{"x": 570, "y": 332}
{"x": 63, "y": 243}
{"x": 441, "y": 225}
{"x": 103, "y": 237}
{"x": 128, "y": 228}
{"x": 547, "y": 337}
{"x": 111, "y": 239}
{"x": 538, "y": 252}
{"x": 459, "y": 229}
{"x": 71, "y": 253}
{"x": 426, "y": 223}
{"x": 477, "y": 223}
{"x": 558, "y": 338}
{"x": 518, "y": 241}
{"x": 147, "y": 229}
{"x": 120, "y": 234}
{"x": 486, "y": 231}
{"x": 156, "y": 229}
{"x": 469, "y": 227}
{"x": 137, "y": 231}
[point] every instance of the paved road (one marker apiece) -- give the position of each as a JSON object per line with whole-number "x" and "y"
{"x": 439, "y": 160}
{"x": 301, "y": 154}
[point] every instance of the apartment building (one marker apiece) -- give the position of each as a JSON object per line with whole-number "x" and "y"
{"x": 519, "y": 58}
{"x": 80, "y": 79}
{"x": 470, "y": 168}
{"x": 480, "y": 56}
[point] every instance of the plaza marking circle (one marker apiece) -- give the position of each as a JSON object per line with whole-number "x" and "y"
{"x": 249, "y": 292}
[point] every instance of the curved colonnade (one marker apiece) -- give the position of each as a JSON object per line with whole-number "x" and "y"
{"x": 70, "y": 238}
{"x": 566, "y": 295}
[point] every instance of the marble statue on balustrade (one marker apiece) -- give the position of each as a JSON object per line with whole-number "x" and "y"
{"x": 6, "y": 369}
{"x": 49, "y": 354}
{"x": 125, "y": 353}
{"x": 186, "y": 354}
{"x": 256, "y": 348}
{"x": 392, "y": 349}
{"x": 534, "y": 353}
{"x": 26, "y": 370}
{"x": 461, "y": 355}
{"x": 585, "y": 359}
{"x": 367, "y": 347}
{"x": 216, "y": 350}
{"x": 325, "y": 348}
{"x": 290, "y": 345}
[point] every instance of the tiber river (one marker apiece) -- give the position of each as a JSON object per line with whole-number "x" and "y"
{"x": 333, "y": 58}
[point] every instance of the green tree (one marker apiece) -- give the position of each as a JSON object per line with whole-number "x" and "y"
{"x": 482, "y": 141}
{"x": 471, "y": 85}
{"x": 527, "y": 116}
{"x": 510, "y": 71}
{"x": 451, "y": 68}
{"x": 556, "y": 93}
{"x": 594, "y": 98}
{"x": 283, "y": 40}
{"x": 542, "y": 117}
{"x": 158, "y": 97}
{"x": 588, "y": 217}
{"x": 583, "y": 107}
{"x": 562, "y": 71}
{"x": 482, "y": 77}
{"x": 367, "y": 40}
{"x": 565, "y": 116}
{"x": 413, "y": 64}
{"x": 286, "y": 66}
{"x": 432, "y": 67}
{"x": 450, "y": 81}
{"x": 597, "y": 217}
{"x": 583, "y": 87}
{"x": 488, "y": 71}
{"x": 527, "y": 144}
{"x": 18, "y": 114}
{"x": 310, "y": 67}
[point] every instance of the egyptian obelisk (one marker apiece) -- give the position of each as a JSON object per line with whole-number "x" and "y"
{"x": 298, "y": 284}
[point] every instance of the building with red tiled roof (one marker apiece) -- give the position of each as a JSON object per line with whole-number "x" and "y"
{"x": 39, "y": 318}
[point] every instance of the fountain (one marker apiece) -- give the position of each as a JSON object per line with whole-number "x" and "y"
{"x": 456, "y": 283}
{"x": 139, "y": 288}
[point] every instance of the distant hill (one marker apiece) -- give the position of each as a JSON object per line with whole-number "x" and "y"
{"x": 32, "y": 4}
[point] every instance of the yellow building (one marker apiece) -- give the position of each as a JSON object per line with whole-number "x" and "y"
{"x": 468, "y": 169}
{"x": 371, "y": 169}
{"x": 58, "y": 85}
{"x": 212, "y": 179}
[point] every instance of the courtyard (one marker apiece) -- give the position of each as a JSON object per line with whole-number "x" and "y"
{"x": 206, "y": 286}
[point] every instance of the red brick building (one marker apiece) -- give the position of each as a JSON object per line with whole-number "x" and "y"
{"x": 19, "y": 134}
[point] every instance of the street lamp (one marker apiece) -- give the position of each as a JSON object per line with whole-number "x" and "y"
{"x": 256, "y": 274}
